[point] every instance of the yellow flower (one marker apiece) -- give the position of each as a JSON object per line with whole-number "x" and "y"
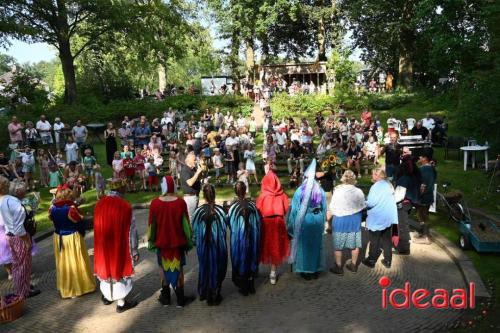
{"x": 324, "y": 164}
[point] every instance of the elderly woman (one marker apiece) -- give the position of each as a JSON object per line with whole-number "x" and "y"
{"x": 13, "y": 215}
{"x": 74, "y": 275}
{"x": 346, "y": 206}
{"x": 18, "y": 190}
{"x": 382, "y": 214}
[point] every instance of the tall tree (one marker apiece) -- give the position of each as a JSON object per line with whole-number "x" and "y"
{"x": 324, "y": 17}
{"x": 58, "y": 22}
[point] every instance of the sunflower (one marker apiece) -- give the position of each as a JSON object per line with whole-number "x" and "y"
{"x": 332, "y": 159}
{"x": 324, "y": 165}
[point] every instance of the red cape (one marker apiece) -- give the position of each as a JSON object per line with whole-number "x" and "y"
{"x": 112, "y": 256}
{"x": 166, "y": 219}
{"x": 272, "y": 200}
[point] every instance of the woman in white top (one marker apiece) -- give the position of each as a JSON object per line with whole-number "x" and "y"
{"x": 346, "y": 207}
{"x": 249, "y": 156}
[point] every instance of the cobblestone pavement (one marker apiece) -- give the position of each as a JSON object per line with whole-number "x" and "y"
{"x": 351, "y": 303}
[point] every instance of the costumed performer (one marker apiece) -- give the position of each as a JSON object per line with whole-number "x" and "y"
{"x": 306, "y": 225}
{"x": 115, "y": 246}
{"x": 245, "y": 224}
{"x": 273, "y": 204}
{"x": 74, "y": 274}
{"x": 170, "y": 237}
{"x": 209, "y": 228}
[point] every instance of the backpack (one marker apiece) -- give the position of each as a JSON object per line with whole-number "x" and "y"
{"x": 29, "y": 222}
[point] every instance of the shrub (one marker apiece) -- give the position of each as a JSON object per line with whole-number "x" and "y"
{"x": 300, "y": 106}
{"x": 388, "y": 101}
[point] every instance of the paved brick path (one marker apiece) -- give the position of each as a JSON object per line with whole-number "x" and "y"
{"x": 335, "y": 304}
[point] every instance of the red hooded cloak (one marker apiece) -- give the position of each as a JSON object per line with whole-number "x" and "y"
{"x": 273, "y": 204}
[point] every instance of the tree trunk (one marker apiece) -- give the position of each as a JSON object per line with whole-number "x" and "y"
{"x": 68, "y": 67}
{"x": 233, "y": 61}
{"x": 493, "y": 10}
{"x": 321, "y": 34}
{"x": 264, "y": 60}
{"x": 406, "y": 51}
{"x": 250, "y": 59}
{"x": 162, "y": 77}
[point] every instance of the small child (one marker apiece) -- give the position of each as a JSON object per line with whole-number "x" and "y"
{"x": 61, "y": 163}
{"x": 117, "y": 166}
{"x": 158, "y": 159}
{"x": 249, "y": 155}
{"x": 229, "y": 161}
{"x": 100, "y": 184}
{"x": 218, "y": 165}
{"x": 43, "y": 162}
{"x": 28, "y": 166}
{"x": 207, "y": 153}
{"x": 269, "y": 165}
{"x": 152, "y": 174}
{"x": 54, "y": 177}
{"x": 88, "y": 162}
{"x": 172, "y": 165}
{"x": 129, "y": 170}
{"x": 204, "y": 167}
{"x": 242, "y": 174}
{"x": 71, "y": 149}
{"x": 294, "y": 177}
{"x": 140, "y": 170}
{"x": 31, "y": 134}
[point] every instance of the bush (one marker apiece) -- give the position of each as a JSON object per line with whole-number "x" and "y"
{"x": 388, "y": 101}
{"x": 300, "y": 106}
{"x": 478, "y": 111}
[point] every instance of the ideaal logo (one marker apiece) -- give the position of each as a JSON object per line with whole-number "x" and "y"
{"x": 403, "y": 298}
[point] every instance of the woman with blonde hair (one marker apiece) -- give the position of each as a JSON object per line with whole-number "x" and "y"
{"x": 74, "y": 275}
{"x": 346, "y": 206}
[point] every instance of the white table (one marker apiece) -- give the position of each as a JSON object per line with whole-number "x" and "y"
{"x": 473, "y": 150}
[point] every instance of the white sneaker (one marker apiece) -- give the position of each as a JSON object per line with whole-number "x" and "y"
{"x": 273, "y": 277}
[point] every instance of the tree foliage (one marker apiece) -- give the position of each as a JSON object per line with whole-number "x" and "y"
{"x": 434, "y": 38}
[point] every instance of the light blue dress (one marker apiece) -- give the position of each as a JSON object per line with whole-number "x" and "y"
{"x": 310, "y": 257}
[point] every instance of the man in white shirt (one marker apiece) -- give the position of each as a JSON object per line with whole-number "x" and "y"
{"x": 43, "y": 127}
{"x": 295, "y": 135}
{"x": 281, "y": 140}
{"x": 168, "y": 117}
{"x": 429, "y": 122}
{"x": 58, "y": 127}
{"x": 233, "y": 140}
